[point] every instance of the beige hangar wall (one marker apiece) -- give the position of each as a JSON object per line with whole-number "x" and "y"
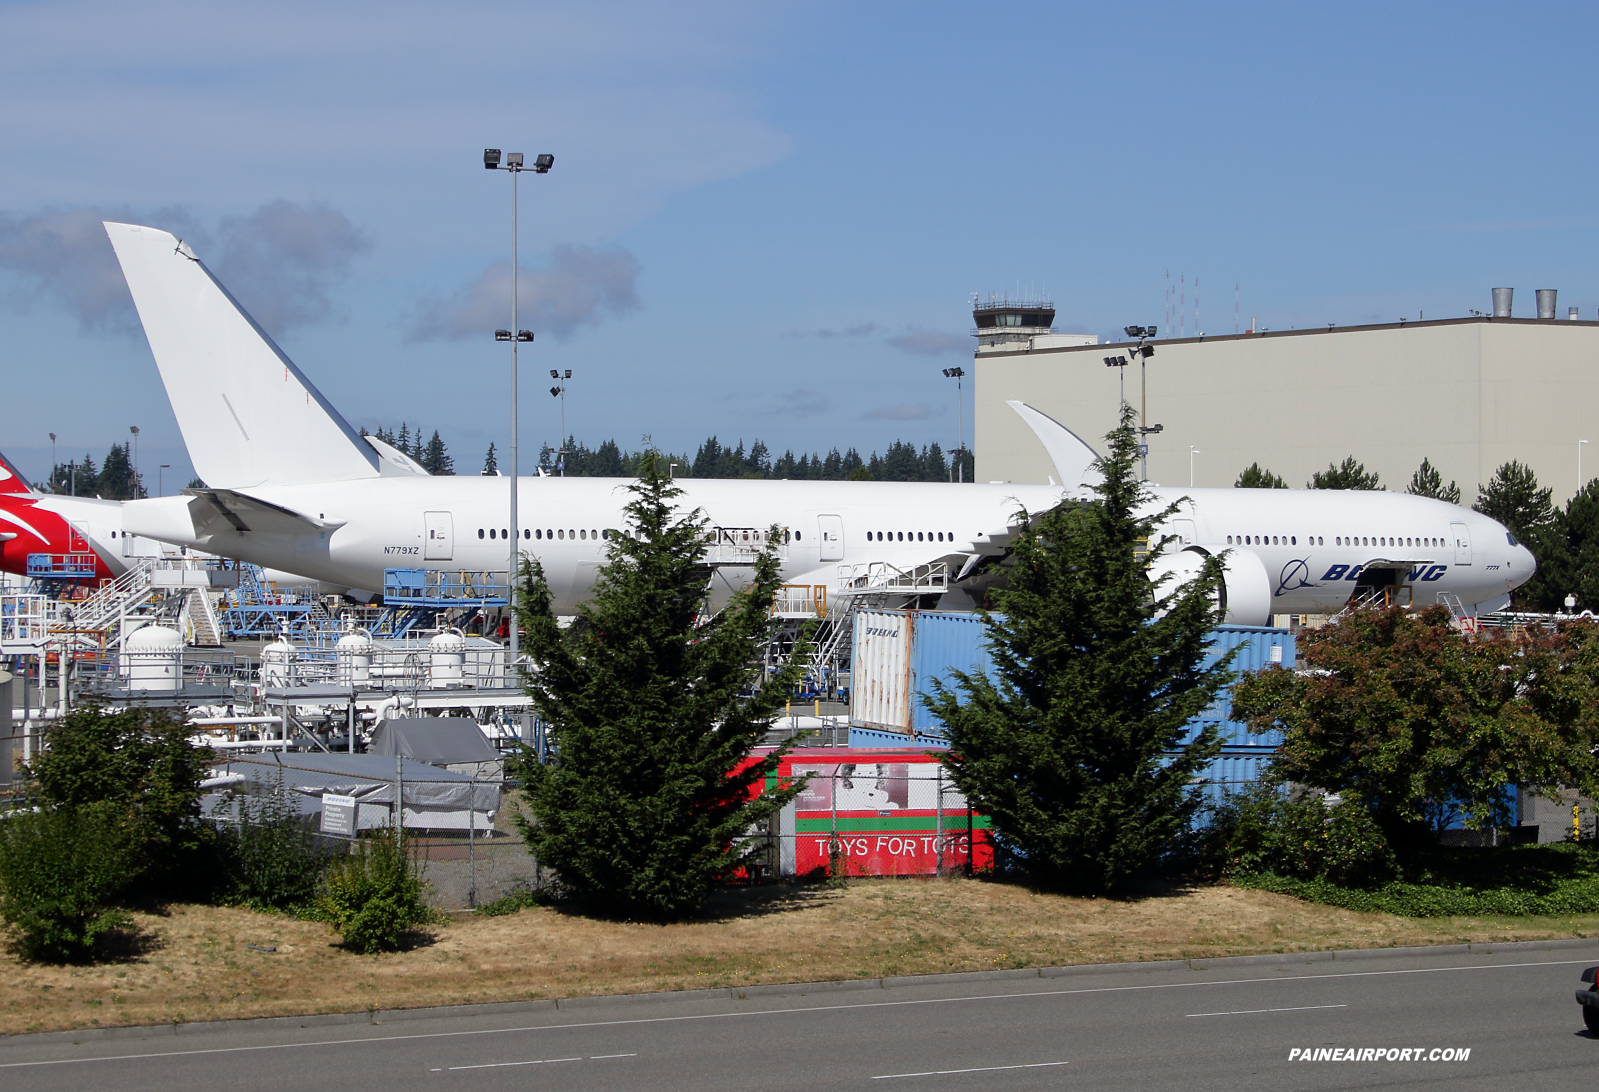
{"x": 1468, "y": 394}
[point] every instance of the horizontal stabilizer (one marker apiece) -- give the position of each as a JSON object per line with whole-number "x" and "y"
{"x": 249, "y": 417}
{"x": 1076, "y": 464}
{"x": 396, "y": 463}
{"x": 221, "y": 510}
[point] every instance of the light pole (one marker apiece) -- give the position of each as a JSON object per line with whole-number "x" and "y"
{"x": 957, "y": 374}
{"x": 53, "y": 462}
{"x": 559, "y": 391}
{"x": 1143, "y": 352}
{"x": 1192, "y": 451}
{"x": 541, "y": 165}
{"x": 160, "y": 479}
{"x": 135, "y": 430}
{"x": 1579, "y": 464}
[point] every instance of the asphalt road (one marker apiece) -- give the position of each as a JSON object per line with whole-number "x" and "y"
{"x": 1225, "y": 1024}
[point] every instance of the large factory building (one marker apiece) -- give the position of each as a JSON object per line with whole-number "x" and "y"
{"x": 1470, "y": 394}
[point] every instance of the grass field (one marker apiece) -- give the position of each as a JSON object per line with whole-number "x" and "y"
{"x": 198, "y": 963}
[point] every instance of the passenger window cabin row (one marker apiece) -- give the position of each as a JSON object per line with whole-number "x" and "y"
{"x": 1425, "y": 542}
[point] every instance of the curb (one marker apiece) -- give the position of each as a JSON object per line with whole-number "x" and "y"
{"x": 377, "y": 1017}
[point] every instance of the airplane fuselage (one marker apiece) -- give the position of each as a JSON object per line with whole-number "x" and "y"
{"x": 1313, "y": 546}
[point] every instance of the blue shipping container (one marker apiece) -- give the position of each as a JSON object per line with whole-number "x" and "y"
{"x": 945, "y": 641}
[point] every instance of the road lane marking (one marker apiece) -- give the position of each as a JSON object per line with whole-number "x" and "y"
{"x": 1252, "y": 1012}
{"x": 797, "y": 1010}
{"x": 503, "y": 1065}
{"x": 597, "y": 1057}
{"x": 981, "y": 1069}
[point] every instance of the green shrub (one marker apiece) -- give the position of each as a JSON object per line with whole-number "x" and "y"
{"x": 142, "y": 763}
{"x": 1562, "y": 878}
{"x": 516, "y": 901}
{"x": 1264, "y": 829}
{"x": 374, "y": 895}
{"x": 60, "y": 869}
{"x": 271, "y": 855}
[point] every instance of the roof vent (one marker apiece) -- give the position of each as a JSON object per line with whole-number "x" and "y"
{"x": 1502, "y": 298}
{"x": 1546, "y": 303}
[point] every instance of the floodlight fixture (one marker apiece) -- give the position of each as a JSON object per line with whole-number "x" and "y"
{"x": 554, "y": 374}
{"x": 568, "y": 373}
{"x": 555, "y": 392}
{"x": 1146, "y": 351}
{"x": 524, "y": 335}
{"x": 1134, "y": 331}
{"x": 502, "y": 335}
{"x": 491, "y": 158}
{"x": 1148, "y": 430}
{"x": 513, "y": 160}
{"x": 543, "y": 163}
{"x": 1152, "y": 331}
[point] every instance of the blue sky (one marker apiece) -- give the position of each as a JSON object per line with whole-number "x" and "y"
{"x": 764, "y": 220}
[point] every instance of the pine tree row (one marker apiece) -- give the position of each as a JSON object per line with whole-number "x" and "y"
{"x": 115, "y": 479}
{"x": 902, "y": 463}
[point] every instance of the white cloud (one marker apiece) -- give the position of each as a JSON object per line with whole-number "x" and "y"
{"x": 382, "y": 107}
{"x": 582, "y": 286}
{"x": 929, "y": 344}
{"x": 280, "y": 261}
{"x": 910, "y": 411}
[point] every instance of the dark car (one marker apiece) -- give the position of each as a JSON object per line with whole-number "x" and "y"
{"x": 1589, "y": 999}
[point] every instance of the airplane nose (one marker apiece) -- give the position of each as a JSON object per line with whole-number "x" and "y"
{"x": 1524, "y": 559}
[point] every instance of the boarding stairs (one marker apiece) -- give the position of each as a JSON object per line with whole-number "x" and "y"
{"x": 873, "y": 586}
{"x": 201, "y": 625}
{"x": 114, "y": 601}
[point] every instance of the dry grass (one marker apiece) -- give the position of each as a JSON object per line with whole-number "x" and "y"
{"x": 195, "y": 963}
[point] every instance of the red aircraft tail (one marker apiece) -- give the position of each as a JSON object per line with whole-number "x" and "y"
{"x": 11, "y": 479}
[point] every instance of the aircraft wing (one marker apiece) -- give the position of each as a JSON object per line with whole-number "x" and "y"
{"x": 220, "y": 510}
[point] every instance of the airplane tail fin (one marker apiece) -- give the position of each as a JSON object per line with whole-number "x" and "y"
{"x": 1074, "y": 460}
{"x": 249, "y": 417}
{"x": 12, "y": 482}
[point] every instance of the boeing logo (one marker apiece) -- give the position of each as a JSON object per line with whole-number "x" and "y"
{"x": 1420, "y": 572}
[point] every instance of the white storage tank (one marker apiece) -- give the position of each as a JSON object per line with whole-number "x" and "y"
{"x": 277, "y": 663}
{"x": 447, "y": 659}
{"x": 354, "y": 655}
{"x": 154, "y": 659}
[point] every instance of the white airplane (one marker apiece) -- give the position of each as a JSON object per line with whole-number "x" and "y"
{"x": 292, "y": 486}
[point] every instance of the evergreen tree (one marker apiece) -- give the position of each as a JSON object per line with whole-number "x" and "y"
{"x": 966, "y": 471}
{"x": 1347, "y": 475}
{"x": 435, "y": 458}
{"x": 1255, "y": 476}
{"x": 491, "y": 465}
{"x": 655, "y": 781}
{"x": 117, "y": 479}
{"x": 1076, "y": 750}
{"x": 934, "y": 466}
{"x": 1514, "y": 499}
{"x": 833, "y": 466}
{"x": 1427, "y": 482}
{"x": 80, "y": 478}
{"x": 403, "y": 443}
{"x": 852, "y": 461}
{"x": 760, "y": 461}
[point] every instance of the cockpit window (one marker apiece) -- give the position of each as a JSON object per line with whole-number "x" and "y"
{"x": 1511, "y": 539}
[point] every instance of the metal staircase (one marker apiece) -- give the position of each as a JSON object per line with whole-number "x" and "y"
{"x": 202, "y": 628}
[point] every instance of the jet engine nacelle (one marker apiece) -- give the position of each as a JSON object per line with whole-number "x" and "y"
{"x": 1246, "y": 591}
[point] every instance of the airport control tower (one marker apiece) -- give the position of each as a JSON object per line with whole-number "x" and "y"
{"x": 1005, "y": 325}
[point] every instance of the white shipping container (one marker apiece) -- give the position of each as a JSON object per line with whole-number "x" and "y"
{"x": 882, "y": 689}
